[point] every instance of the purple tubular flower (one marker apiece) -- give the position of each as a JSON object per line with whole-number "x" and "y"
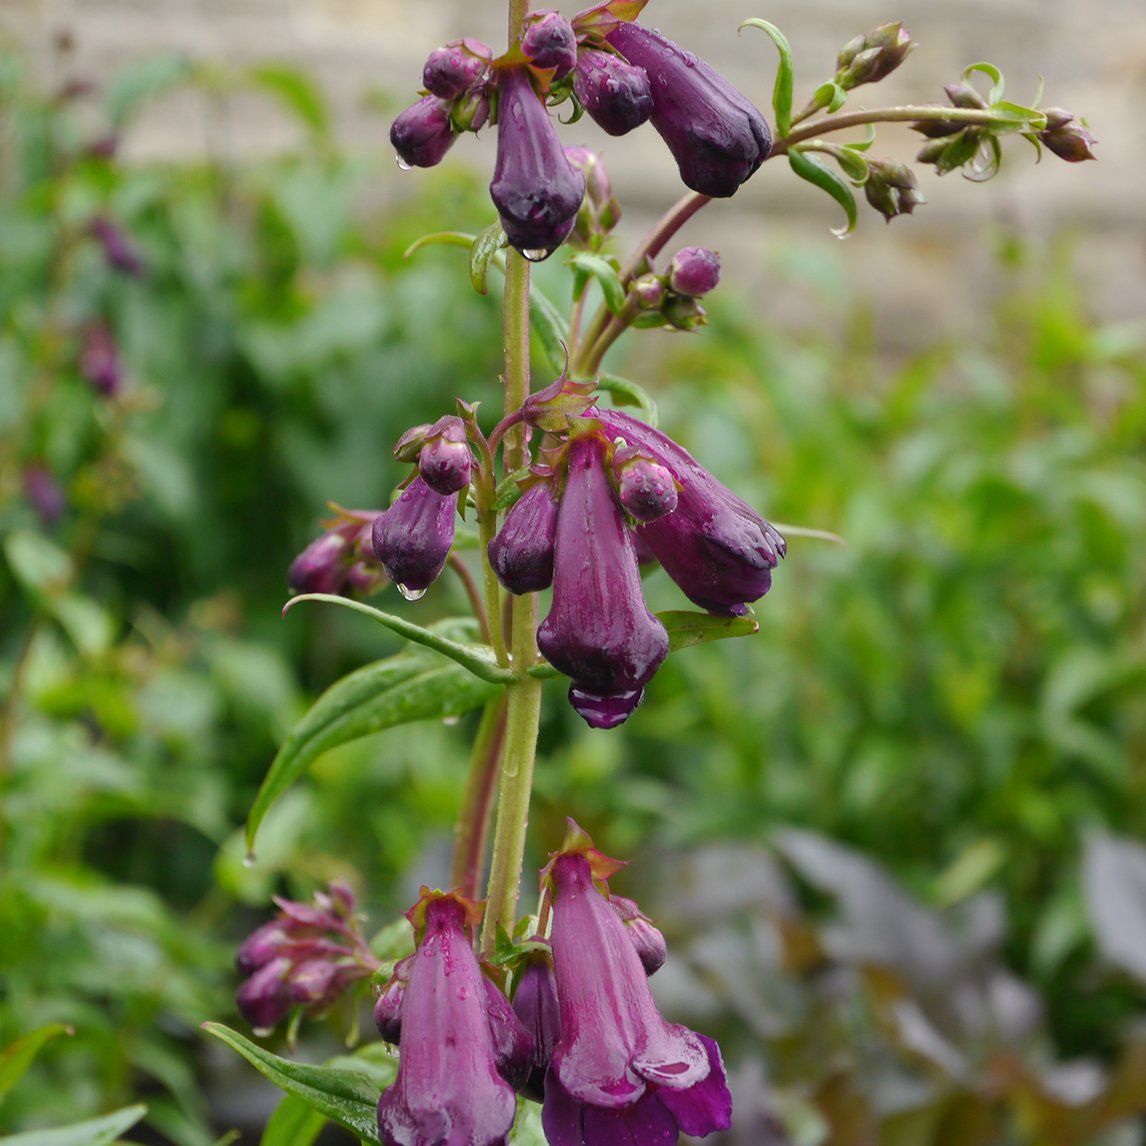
{"x": 265, "y": 997}
{"x": 445, "y": 461}
{"x": 413, "y": 537}
{"x": 716, "y": 136}
{"x": 718, "y": 549}
{"x": 550, "y": 42}
{"x": 694, "y": 271}
{"x": 616, "y": 94}
{"x": 599, "y": 631}
{"x": 522, "y": 552}
{"x": 448, "y": 1090}
{"x": 619, "y": 1072}
{"x": 535, "y": 1003}
{"x": 341, "y": 560}
{"x": 536, "y": 190}
{"x": 423, "y": 133}
{"x": 117, "y": 248}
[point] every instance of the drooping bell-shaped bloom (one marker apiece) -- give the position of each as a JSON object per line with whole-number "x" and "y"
{"x": 423, "y": 133}
{"x": 599, "y": 631}
{"x": 449, "y": 1090}
{"x": 413, "y": 537}
{"x": 522, "y": 552}
{"x": 619, "y": 1072}
{"x": 615, "y": 93}
{"x": 536, "y": 190}
{"x": 717, "y": 548}
{"x": 717, "y": 137}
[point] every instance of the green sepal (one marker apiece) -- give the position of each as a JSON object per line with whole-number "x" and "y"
{"x": 508, "y": 490}
{"x": 602, "y": 269}
{"x": 810, "y": 168}
{"x": 441, "y": 239}
{"x": 686, "y": 628}
{"x": 830, "y": 96}
{"x": 782, "y": 92}
{"x": 348, "y": 1097}
{"x": 853, "y": 165}
{"x": 627, "y": 393}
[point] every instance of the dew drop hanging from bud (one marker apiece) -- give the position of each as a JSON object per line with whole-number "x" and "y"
{"x": 402, "y": 164}
{"x": 249, "y": 860}
{"x": 536, "y": 254}
{"x": 411, "y": 594}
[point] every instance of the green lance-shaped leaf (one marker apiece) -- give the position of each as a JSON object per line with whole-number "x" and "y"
{"x": 100, "y": 1131}
{"x": 411, "y": 686}
{"x": 293, "y": 1123}
{"x": 627, "y": 393}
{"x": 478, "y": 659}
{"x": 18, "y": 1056}
{"x": 687, "y": 628}
{"x": 594, "y": 266}
{"x": 297, "y": 92}
{"x": 348, "y": 1097}
{"x": 482, "y": 250}
{"x": 814, "y": 171}
{"x": 782, "y": 92}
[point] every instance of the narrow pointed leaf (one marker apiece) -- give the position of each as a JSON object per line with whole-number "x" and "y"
{"x": 482, "y": 250}
{"x": 627, "y": 393}
{"x": 441, "y": 239}
{"x": 687, "y": 628}
{"x": 550, "y": 327}
{"x": 782, "y": 92}
{"x": 92, "y": 1132}
{"x": 293, "y": 1123}
{"x": 18, "y": 1056}
{"x": 348, "y": 1097}
{"x": 606, "y": 274}
{"x": 814, "y": 171}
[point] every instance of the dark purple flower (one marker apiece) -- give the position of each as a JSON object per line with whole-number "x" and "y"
{"x": 615, "y": 93}
{"x": 341, "y": 560}
{"x": 44, "y": 493}
{"x": 117, "y": 248}
{"x": 645, "y": 488}
{"x": 599, "y": 631}
{"x": 619, "y": 1072}
{"x": 718, "y": 549}
{"x": 449, "y": 1090}
{"x": 423, "y": 133}
{"x": 716, "y": 136}
{"x": 694, "y": 271}
{"x": 536, "y": 190}
{"x": 445, "y": 461}
{"x": 413, "y": 537}
{"x": 99, "y": 359}
{"x": 522, "y": 552}
{"x": 456, "y": 67}
{"x": 388, "y": 1008}
{"x": 550, "y": 42}
{"x": 535, "y": 1003}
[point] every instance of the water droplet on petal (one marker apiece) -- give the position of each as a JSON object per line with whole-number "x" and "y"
{"x": 249, "y": 861}
{"x": 536, "y": 254}
{"x": 411, "y": 594}
{"x": 402, "y": 164}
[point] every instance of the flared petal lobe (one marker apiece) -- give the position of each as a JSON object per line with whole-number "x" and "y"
{"x": 717, "y": 137}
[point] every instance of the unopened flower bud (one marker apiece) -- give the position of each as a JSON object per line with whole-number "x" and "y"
{"x": 535, "y": 1003}
{"x": 117, "y": 248}
{"x": 645, "y": 488}
{"x": 550, "y": 42}
{"x": 649, "y": 291}
{"x": 342, "y": 559}
{"x": 1066, "y": 135}
{"x": 965, "y": 95}
{"x": 600, "y": 210}
{"x": 471, "y": 112}
{"x": 522, "y": 552}
{"x": 646, "y": 938}
{"x": 99, "y": 359}
{"x": 445, "y": 461}
{"x": 423, "y": 133}
{"x": 891, "y": 188}
{"x": 694, "y": 271}
{"x": 388, "y": 1008}
{"x": 683, "y": 313}
{"x": 413, "y": 537}
{"x": 454, "y": 68}
{"x": 616, "y": 94}
{"x": 868, "y": 59}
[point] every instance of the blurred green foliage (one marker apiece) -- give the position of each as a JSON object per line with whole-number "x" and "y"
{"x": 958, "y": 693}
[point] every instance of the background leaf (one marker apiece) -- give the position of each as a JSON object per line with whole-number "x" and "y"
{"x": 93, "y": 1132}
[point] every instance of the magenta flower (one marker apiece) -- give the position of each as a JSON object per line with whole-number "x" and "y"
{"x": 620, "y": 1072}
{"x": 536, "y": 190}
{"x": 717, "y": 137}
{"x": 522, "y": 552}
{"x": 413, "y": 537}
{"x": 535, "y": 1004}
{"x": 599, "y": 631}
{"x": 455, "y": 1043}
{"x": 718, "y": 549}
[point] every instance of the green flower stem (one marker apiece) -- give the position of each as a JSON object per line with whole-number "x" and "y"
{"x": 472, "y": 832}
{"x": 968, "y": 116}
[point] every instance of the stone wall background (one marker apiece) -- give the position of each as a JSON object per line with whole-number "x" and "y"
{"x": 930, "y": 269}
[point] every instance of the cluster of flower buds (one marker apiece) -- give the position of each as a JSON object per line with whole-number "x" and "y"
{"x": 341, "y": 561}
{"x": 583, "y": 1033}
{"x": 672, "y": 299}
{"x": 891, "y": 188}
{"x": 621, "y": 73}
{"x": 1066, "y": 135}
{"x": 867, "y": 59}
{"x": 412, "y": 538}
{"x": 308, "y": 956}
{"x": 600, "y": 211}
{"x": 616, "y": 490}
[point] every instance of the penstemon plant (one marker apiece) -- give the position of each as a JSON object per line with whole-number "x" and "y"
{"x": 570, "y": 494}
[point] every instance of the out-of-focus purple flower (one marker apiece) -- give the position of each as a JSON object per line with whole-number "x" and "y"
{"x": 121, "y": 255}
{"x": 717, "y": 137}
{"x": 536, "y": 190}
{"x": 645, "y": 488}
{"x": 694, "y": 271}
{"x": 423, "y": 133}
{"x": 550, "y": 42}
{"x": 600, "y": 211}
{"x": 341, "y": 560}
{"x": 619, "y": 1071}
{"x": 522, "y": 552}
{"x": 535, "y": 1002}
{"x": 599, "y": 631}
{"x": 413, "y": 537}
{"x": 456, "y": 67}
{"x": 445, "y": 461}
{"x": 1066, "y": 135}
{"x": 307, "y": 956}
{"x": 99, "y": 359}
{"x": 44, "y": 493}
{"x": 450, "y": 1090}
{"x": 718, "y": 549}
{"x": 615, "y": 93}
